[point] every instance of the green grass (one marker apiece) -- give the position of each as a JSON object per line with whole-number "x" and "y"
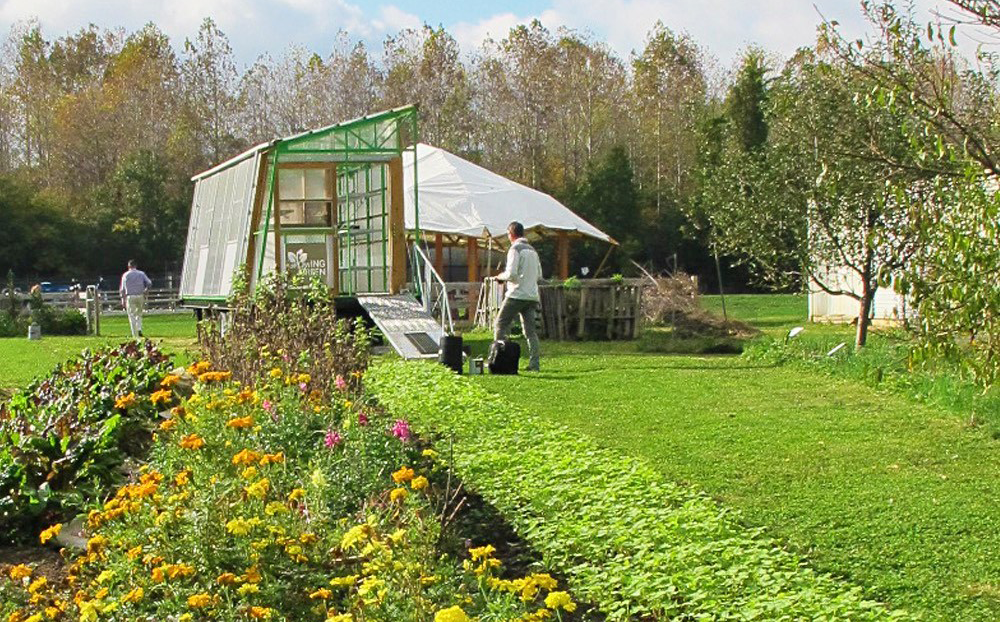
{"x": 891, "y": 494}
{"x": 765, "y": 311}
{"x": 22, "y": 360}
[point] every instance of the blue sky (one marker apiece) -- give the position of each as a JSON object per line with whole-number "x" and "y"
{"x": 254, "y": 27}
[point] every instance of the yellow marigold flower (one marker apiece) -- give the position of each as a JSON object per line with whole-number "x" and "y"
{"x": 199, "y": 601}
{"x": 260, "y": 613}
{"x": 347, "y": 581}
{"x": 451, "y": 614}
{"x": 404, "y": 474}
{"x": 19, "y": 572}
{"x": 482, "y": 552}
{"x": 246, "y": 457}
{"x": 340, "y": 617}
{"x": 50, "y": 533}
{"x": 308, "y": 538}
{"x": 96, "y": 544}
{"x": 134, "y": 553}
{"x": 398, "y": 494}
{"x": 169, "y": 380}
{"x": 239, "y": 527}
{"x": 180, "y": 570}
{"x": 321, "y": 594}
{"x": 183, "y": 478}
{"x": 192, "y": 441}
{"x": 250, "y": 472}
{"x": 304, "y": 378}
{"x": 168, "y": 425}
{"x": 277, "y": 458}
{"x": 297, "y": 494}
{"x": 545, "y": 581}
{"x": 124, "y": 401}
{"x": 247, "y": 395}
{"x": 259, "y": 489}
{"x": 555, "y": 600}
{"x": 275, "y": 507}
{"x": 275, "y": 372}
{"x": 419, "y": 483}
{"x": 134, "y": 596}
{"x": 185, "y": 617}
{"x": 227, "y": 578}
{"x": 163, "y": 396}
{"x": 38, "y": 585}
{"x": 429, "y": 453}
{"x": 247, "y": 588}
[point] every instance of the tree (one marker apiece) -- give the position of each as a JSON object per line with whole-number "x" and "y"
{"x": 820, "y": 199}
{"x": 210, "y": 82}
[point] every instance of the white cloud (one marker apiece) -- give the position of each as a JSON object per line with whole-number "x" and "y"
{"x": 470, "y": 35}
{"x": 393, "y": 19}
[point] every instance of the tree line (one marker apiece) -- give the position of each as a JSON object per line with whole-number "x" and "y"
{"x": 100, "y": 130}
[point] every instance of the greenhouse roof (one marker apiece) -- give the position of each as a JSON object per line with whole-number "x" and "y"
{"x": 373, "y": 138}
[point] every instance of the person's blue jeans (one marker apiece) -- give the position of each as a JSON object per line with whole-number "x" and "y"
{"x": 511, "y": 308}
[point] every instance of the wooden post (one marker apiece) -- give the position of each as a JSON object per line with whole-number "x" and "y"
{"x": 397, "y": 228}
{"x": 276, "y": 193}
{"x": 562, "y": 252}
{"x": 334, "y": 266}
{"x": 472, "y": 262}
{"x": 439, "y": 254}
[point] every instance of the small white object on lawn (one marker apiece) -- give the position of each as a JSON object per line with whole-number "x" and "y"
{"x": 792, "y": 334}
{"x": 837, "y": 348}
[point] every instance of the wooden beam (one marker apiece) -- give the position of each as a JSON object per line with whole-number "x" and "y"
{"x": 397, "y": 228}
{"x": 255, "y": 212}
{"x": 439, "y": 253}
{"x": 562, "y": 252}
{"x": 301, "y": 165}
{"x": 472, "y": 259}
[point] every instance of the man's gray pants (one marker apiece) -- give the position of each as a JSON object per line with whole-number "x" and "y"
{"x": 511, "y": 308}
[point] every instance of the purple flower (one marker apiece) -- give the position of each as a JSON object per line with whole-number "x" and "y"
{"x": 401, "y": 430}
{"x": 340, "y": 383}
{"x": 333, "y": 438}
{"x": 362, "y": 419}
{"x": 303, "y": 387}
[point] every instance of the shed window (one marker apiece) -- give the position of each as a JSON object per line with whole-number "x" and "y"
{"x": 306, "y": 198}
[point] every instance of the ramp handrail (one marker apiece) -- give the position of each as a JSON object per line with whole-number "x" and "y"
{"x": 427, "y": 280}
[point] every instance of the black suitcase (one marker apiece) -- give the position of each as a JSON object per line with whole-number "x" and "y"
{"x": 503, "y": 357}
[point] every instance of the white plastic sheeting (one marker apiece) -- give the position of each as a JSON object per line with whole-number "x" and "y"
{"x": 219, "y": 228}
{"x": 461, "y": 198}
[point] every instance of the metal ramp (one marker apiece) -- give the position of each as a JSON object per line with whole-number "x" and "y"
{"x": 409, "y": 328}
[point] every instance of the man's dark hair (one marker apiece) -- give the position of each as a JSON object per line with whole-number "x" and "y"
{"x": 131, "y": 263}
{"x": 516, "y": 228}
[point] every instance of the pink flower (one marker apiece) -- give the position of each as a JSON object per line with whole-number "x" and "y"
{"x": 401, "y": 430}
{"x": 340, "y": 383}
{"x": 333, "y": 438}
{"x": 303, "y": 387}
{"x": 362, "y": 419}
{"x": 268, "y": 406}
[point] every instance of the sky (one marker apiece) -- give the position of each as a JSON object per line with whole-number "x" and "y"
{"x": 255, "y": 27}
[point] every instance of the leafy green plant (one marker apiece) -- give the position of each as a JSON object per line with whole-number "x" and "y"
{"x": 64, "y": 437}
{"x": 628, "y": 540}
{"x": 617, "y": 278}
{"x": 572, "y": 283}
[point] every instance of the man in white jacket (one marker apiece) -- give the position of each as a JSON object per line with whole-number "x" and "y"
{"x": 522, "y": 273}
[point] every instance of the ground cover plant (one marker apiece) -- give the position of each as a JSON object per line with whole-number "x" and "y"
{"x": 243, "y": 513}
{"x": 628, "y": 539}
{"x": 889, "y": 493}
{"x": 64, "y": 438}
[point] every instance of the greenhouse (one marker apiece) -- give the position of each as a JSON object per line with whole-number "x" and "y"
{"x": 327, "y": 202}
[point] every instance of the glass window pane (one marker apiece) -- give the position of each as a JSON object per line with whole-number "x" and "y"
{"x": 291, "y": 183}
{"x": 292, "y": 213}
{"x": 315, "y": 184}
{"x": 317, "y": 213}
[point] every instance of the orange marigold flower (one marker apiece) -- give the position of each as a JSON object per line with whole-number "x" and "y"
{"x": 321, "y": 594}
{"x": 240, "y": 422}
{"x": 169, "y": 380}
{"x": 404, "y": 474}
{"x": 246, "y": 395}
{"x": 252, "y": 575}
{"x": 214, "y": 376}
{"x": 227, "y": 578}
{"x": 163, "y": 396}
{"x": 246, "y": 457}
{"x": 183, "y": 478}
{"x": 177, "y": 411}
{"x": 277, "y": 458}
{"x": 125, "y": 401}
{"x": 168, "y": 425}
{"x": 199, "y": 601}
{"x": 192, "y": 441}
{"x": 199, "y": 368}
{"x": 134, "y": 596}
{"x": 260, "y": 613}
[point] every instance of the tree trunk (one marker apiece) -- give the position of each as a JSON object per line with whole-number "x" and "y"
{"x": 864, "y": 311}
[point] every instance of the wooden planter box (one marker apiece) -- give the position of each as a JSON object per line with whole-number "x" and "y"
{"x": 598, "y": 309}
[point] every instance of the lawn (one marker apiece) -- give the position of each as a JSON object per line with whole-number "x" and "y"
{"x": 22, "y": 360}
{"x": 893, "y": 495}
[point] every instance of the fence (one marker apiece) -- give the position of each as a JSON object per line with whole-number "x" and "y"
{"x": 157, "y": 299}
